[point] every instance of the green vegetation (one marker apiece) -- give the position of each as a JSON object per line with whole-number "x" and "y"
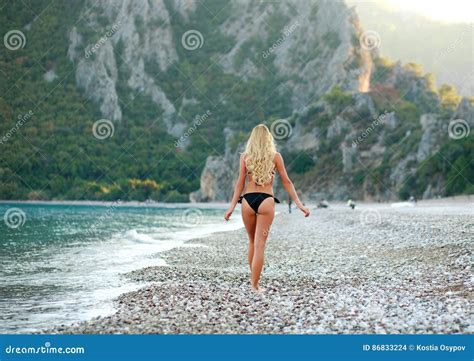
{"x": 415, "y": 68}
{"x": 447, "y": 170}
{"x": 55, "y": 155}
{"x": 408, "y": 116}
{"x": 313, "y": 12}
{"x": 382, "y": 69}
{"x": 449, "y": 97}
{"x": 338, "y": 99}
{"x": 453, "y": 162}
{"x": 331, "y": 39}
{"x": 301, "y": 162}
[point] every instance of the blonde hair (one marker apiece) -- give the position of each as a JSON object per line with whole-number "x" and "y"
{"x": 259, "y": 154}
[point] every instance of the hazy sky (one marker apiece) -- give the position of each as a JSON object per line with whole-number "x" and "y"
{"x": 441, "y": 10}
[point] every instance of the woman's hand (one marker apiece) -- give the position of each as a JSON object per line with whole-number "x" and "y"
{"x": 304, "y": 210}
{"x": 228, "y": 213}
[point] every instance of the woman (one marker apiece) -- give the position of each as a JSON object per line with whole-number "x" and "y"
{"x": 259, "y": 163}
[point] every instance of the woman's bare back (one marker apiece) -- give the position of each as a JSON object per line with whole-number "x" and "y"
{"x": 254, "y": 187}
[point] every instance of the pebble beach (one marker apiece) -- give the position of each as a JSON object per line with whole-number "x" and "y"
{"x": 376, "y": 269}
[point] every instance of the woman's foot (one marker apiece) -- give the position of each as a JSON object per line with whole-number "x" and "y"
{"x": 258, "y": 289}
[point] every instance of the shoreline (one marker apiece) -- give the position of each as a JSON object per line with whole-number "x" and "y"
{"x": 223, "y": 205}
{"x": 90, "y": 273}
{"x": 406, "y": 273}
{"x": 117, "y": 203}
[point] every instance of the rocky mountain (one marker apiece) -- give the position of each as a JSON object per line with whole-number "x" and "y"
{"x": 318, "y": 53}
{"x": 388, "y": 99}
{"x": 360, "y": 152}
{"x": 442, "y": 48}
{"x": 179, "y": 84}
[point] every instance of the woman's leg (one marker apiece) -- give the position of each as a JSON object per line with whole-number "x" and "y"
{"x": 250, "y": 221}
{"x": 266, "y": 213}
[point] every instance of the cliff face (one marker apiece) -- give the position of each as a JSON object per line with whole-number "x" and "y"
{"x": 308, "y": 43}
{"x": 137, "y": 32}
{"x": 357, "y": 128}
{"x": 360, "y": 152}
{"x": 313, "y": 49}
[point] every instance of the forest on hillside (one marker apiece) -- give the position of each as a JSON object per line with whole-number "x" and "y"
{"x": 54, "y": 155}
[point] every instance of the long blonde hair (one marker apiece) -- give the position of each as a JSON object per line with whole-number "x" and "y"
{"x": 259, "y": 154}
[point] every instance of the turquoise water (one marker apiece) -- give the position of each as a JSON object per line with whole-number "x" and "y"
{"x": 62, "y": 263}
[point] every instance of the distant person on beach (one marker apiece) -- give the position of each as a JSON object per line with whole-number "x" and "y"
{"x": 258, "y": 164}
{"x": 323, "y": 204}
{"x": 351, "y": 204}
{"x": 290, "y": 202}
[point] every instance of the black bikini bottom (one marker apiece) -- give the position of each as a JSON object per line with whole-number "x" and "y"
{"x": 254, "y": 199}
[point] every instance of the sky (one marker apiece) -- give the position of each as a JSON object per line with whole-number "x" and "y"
{"x": 440, "y": 10}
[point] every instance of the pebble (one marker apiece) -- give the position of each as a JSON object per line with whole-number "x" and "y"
{"x": 323, "y": 274}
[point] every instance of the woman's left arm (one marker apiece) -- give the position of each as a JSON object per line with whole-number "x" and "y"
{"x": 239, "y": 187}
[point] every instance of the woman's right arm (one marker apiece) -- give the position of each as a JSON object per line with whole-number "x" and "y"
{"x": 239, "y": 187}
{"x": 288, "y": 184}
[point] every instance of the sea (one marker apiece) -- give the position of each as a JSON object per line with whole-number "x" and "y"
{"x": 61, "y": 263}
